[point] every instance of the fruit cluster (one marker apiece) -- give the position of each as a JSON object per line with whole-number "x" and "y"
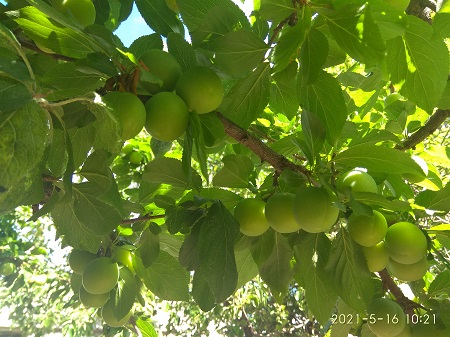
{"x": 173, "y": 95}
{"x": 311, "y": 209}
{"x": 94, "y": 279}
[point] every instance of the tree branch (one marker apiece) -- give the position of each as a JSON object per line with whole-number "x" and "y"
{"x": 420, "y": 9}
{"x": 142, "y": 218}
{"x": 435, "y": 121}
{"x": 264, "y": 152}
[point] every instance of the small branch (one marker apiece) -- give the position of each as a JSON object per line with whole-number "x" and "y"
{"x": 142, "y": 218}
{"x": 278, "y": 29}
{"x": 419, "y": 8}
{"x": 435, "y": 121}
{"x": 264, "y": 152}
{"x": 67, "y": 101}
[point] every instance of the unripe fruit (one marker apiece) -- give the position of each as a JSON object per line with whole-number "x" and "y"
{"x": 164, "y": 66}
{"x": 123, "y": 255}
{"x": 129, "y": 110}
{"x": 78, "y": 259}
{"x": 358, "y": 181}
{"x": 376, "y": 256}
{"x": 7, "y": 268}
{"x": 167, "y": 116}
{"x": 250, "y": 215}
{"x": 405, "y": 243}
{"x": 201, "y": 89}
{"x": 100, "y": 276}
{"x": 110, "y": 319}
{"x": 136, "y": 158}
{"x": 82, "y": 10}
{"x": 92, "y": 301}
{"x": 367, "y": 230}
{"x": 127, "y": 149}
{"x": 408, "y": 272}
{"x": 279, "y": 213}
{"x": 406, "y": 332}
{"x": 314, "y": 211}
{"x": 378, "y": 320}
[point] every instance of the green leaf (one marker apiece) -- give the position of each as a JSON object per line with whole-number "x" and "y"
{"x": 69, "y": 82}
{"x": 125, "y": 294}
{"x": 248, "y": 97}
{"x": 276, "y": 271}
{"x": 107, "y": 127}
{"x": 283, "y": 92}
{"x": 9, "y": 40}
{"x": 435, "y": 200}
{"x": 144, "y": 43}
{"x": 286, "y": 50}
{"x": 181, "y": 50}
{"x": 23, "y": 136}
{"x": 96, "y": 170}
{"x": 276, "y": 10}
{"x": 351, "y": 278}
{"x": 440, "y": 285}
{"x": 167, "y": 279}
{"x": 57, "y": 155}
{"x": 325, "y": 99}
{"x": 146, "y": 328}
{"x": 357, "y": 34}
{"x": 217, "y": 236}
{"x": 419, "y": 65}
{"x": 246, "y": 267}
{"x": 236, "y": 171}
{"x": 314, "y": 135}
{"x": 11, "y": 67}
{"x": 62, "y": 40}
{"x": 212, "y": 129}
{"x": 13, "y": 95}
{"x": 239, "y": 52}
{"x": 441, "y": 21}
{"x": 377, "y": 199}
{"x": 263, "y": 247}
{"x": 313, "y": 56}
{"x": 444, "y": 101}
{"x": 159, "y": 17}
{"x": 201, "y": 291}
{"x": 312, "y": 253}
{"x": 164, "y": 170}
{"x": 378, "y": 159}
{"x": 149, "y": 247}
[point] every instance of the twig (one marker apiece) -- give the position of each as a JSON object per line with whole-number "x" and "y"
{"x": 142, "y": 218}
{"x": 278, "y": 28}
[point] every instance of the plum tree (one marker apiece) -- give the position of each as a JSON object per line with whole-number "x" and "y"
{"x": 279, "y": 211}
{"x": 91, "y": 300}
{"x": 314, "y": 211}
{"x": 163, "y": 66}
{"x": 250, "y": 215}
{"x": 82, "y": 10}
{"x": 405, "y": 243}
{"x": 408, "y": 272}
{"x": 100, "y": 276}
{"x": 376, "y": 256}
{"x": 129, "y": 110}
{"x": 109, "y": 318}
{"x": 167, "y": 116}
{"x": 367, "y": 230}
{"x": 358, "y": 181}
{"x": 78, "y": 259}
{"x": 201, "y": 89}
{"x": 385, "y": 317}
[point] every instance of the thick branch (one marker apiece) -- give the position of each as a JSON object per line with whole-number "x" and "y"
{"x": 264, "y": 152}
{"x": 420, "y": 9}
{"x": 435, "y": 121}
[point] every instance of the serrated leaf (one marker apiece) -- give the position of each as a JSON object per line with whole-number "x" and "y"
{"x": 144, "y": 43}
{"x": 201, "y": 292}
{"x": 96, "y": 170}
{"x": 418, "y": 64}
{"x": 124, "y": 294}
{"x": 62, "y": 40}
{"x": 440, "y": 285}
{"x": 324, "y": 98}
{"x": 159, "y": 16}
{"x": 357, "y": 34}
{"x": 246, "y": 267}
{"x": 313, "y": 56}
{"x": 286, "y": 50}
{"x": 217, "y": 237}
{"x": 57, "y": 155}
{"x": 312, "y": 253}
{"x": 164, "y": 170}
{"x": 283, "y": 93}
{"x": 248, "y": 97}
{"x": 441, "y": 21}
{"x": 276, "y": 270}
{"x": 236, "y": 171}
{"x": 167, "y": 279}
{"x": 351, "y": 278}
{"x": 149, "y": 247}
{"x": 378, "y": 159}
{"x": 239, "y": 52}
{"x": 182, "y": 51}
{"x": 23, "y": 137}
{"x": 435, "y": 200}
{"x": 13, "y": 95}
{"x": 108, "y": 129}
{"x": 146, "y": 328}
{"x": 276, "y": 10}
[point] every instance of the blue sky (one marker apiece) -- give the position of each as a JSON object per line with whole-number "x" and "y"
{"x": 132, "y": 28}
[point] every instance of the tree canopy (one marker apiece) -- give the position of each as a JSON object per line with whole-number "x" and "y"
{"x": 305, "y": 146}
